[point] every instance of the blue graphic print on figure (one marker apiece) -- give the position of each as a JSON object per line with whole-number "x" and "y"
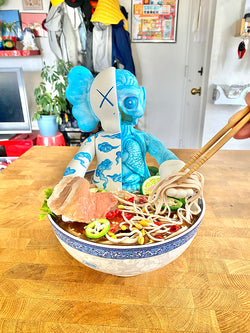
{"x": 115, "y": 99}
{"x": 81, "y": 161}
{"x": 103, "y": 166}
{"x": 83, "y": 158}
{"x": 106, "y": 147}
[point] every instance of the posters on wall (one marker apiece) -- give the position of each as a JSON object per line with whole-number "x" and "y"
{"x": 32, "y": 4}
{"x": 34, "y": 21}
{"x": 154, "y": 20}
{"x": 10, "y": 16}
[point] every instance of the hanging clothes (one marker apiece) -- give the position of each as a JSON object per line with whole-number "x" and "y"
{"x": 121, "y": 47}
{"x": 88, "y": 56}
{"x": 82, "y": 29}
{"x": 111, "y": 14}
{"x": 87, "y": 13}
{"x": 62, "y": 24}
{"x": 76, "y": 21}
{"x": 102, "y": 47}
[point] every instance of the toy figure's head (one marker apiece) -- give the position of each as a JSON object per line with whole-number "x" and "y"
{"x": 131, "y": 97}
{"x": 113, "y": 98}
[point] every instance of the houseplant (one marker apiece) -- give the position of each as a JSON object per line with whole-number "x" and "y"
{"x": 9, "y": 34}
{"x": 50, "y": 97}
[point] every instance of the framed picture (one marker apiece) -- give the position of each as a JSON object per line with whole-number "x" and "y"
{"x": 154, "y": 20}
{"x": 10, "y": 16}
{"x": 32, "y": 4}
{"x": 34, "y": 21}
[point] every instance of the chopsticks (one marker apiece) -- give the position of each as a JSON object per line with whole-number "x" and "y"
{"x": 234, "y": 125}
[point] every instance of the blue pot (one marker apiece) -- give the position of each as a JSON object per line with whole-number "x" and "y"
{"x": 48, "y": 125}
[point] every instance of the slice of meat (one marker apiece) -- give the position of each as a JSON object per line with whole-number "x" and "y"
{"x": 72, "y": 198}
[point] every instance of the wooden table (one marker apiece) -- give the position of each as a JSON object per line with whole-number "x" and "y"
{"x": 43, "y": 289}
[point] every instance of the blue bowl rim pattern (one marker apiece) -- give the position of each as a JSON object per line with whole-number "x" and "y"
{"x": 130, "y": 251}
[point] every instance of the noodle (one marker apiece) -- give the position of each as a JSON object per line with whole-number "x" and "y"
{"x": 149, "y": 218}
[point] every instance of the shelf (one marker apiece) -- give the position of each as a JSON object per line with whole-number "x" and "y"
{"x": 19, "y": 53}
{"x": 230, "y": 95}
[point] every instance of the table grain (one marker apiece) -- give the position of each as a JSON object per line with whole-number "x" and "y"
{"x": 43, "y": 289}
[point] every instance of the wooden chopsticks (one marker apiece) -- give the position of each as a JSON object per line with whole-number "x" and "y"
{"x": 234, "y": 125}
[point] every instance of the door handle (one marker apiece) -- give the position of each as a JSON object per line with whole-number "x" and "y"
{"x": 195, "y": 91}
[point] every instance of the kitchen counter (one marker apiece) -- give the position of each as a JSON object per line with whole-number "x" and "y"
{"x": 43, "y": 289}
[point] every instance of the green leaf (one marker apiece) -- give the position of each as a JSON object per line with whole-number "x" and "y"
{"x": 42, "y": 216}
{"x": 48, "y": 192}
{"x": 45, "y": 209}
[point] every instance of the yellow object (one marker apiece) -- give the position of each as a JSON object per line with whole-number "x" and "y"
{"x": 108, "y": 12}
{"x": 144, "y": 223}
{"x": 141, "y": 240}
{"x": 138, "y": 226}
{"x": 120, "y": 207}
{"x": 56, "y": 2}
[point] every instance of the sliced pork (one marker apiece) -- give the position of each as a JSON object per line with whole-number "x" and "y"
{"x": 72, "y": 199}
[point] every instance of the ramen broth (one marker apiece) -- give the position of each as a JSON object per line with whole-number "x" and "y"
{"x": 141, "y": 219}
{"x": 133, "y": 222}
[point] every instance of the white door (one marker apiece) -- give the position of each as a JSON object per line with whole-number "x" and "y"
{"x": 201, "y": 23}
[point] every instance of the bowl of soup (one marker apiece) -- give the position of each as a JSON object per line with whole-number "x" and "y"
{"x": 127, "y": 260}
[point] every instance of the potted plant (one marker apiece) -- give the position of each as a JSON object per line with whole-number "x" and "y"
{"x": 50, "y": 97}
{"x": 9, "y": 34}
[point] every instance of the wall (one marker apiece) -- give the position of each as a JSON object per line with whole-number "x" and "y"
{"x": 160, "y": 69}
{"x": 226, "y": 68}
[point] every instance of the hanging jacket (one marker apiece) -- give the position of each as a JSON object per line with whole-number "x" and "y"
{"x": 121, "y": 48}
{"x": 102, "y": 43}
{"x": 63, "y": 33}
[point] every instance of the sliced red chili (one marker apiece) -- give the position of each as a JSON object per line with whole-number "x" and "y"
{"x": 158, "y": 223}
{"x": 174, "y": 228}
{"x": 143, "y": 200}
{"x": 110, "y": 214}
{"x": 132, "y": 199}
{"x": 118, "y": 213}
{"x": 128, "y": 216}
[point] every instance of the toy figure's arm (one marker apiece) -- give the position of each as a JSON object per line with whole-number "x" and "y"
{"x": 157, "y": 150}
{"x": 81, "y": 161}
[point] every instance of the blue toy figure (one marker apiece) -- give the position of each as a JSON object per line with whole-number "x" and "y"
{"x": 115, "y": 99}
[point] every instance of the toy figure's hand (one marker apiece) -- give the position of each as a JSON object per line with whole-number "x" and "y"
{"x": 168, "y": 168}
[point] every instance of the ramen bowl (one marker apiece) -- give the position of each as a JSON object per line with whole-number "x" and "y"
{"x": 127, "y": 260}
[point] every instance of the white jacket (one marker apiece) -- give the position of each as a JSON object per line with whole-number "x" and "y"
{"x": 62, "y": 24}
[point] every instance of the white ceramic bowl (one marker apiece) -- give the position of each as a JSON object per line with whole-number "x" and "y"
{"x": 127, "y": 260}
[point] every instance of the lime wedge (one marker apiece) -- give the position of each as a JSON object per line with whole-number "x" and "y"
{"x": 147, "y": 185}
